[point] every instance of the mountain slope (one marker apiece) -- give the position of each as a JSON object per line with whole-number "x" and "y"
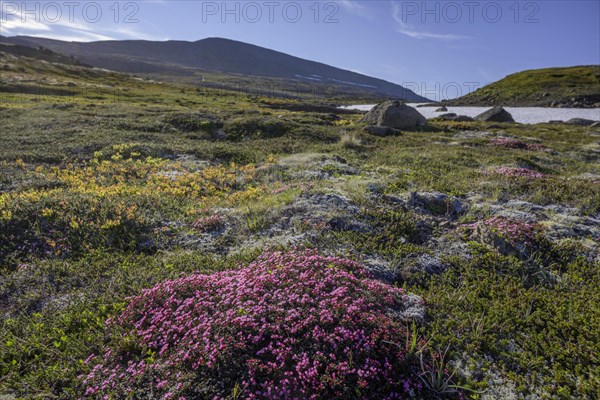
{"x": 217, "y": 55}
{"x": 549, "y": 87}
{"x": 38, "y": 53}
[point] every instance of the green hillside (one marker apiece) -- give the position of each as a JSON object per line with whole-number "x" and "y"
{"x": 549, "y": 87}
{"x": 219, "y": 62}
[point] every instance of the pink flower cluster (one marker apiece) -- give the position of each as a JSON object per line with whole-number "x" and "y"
{"x": 512, "y": 231}
{"x": 517, "y": 144}
{"x": 519, "y": 172}
{"x": 289, "y": 325}
{"x": 210, "y": 223}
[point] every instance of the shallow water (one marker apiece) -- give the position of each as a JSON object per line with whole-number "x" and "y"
{"x": 524, "y": 115}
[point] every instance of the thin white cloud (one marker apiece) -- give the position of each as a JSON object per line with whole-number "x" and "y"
{"x": 129, "y": 33}
{"x": 72, "y": 36}
{"x": 406, "y": 29}
{"x": 18, "y": 24}
{"x": 393, "y": 69}
{"x": 7, "y": 25}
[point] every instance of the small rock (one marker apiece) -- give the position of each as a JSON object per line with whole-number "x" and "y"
{"x": 462, "y": 118}
{"x": 437, "y": 203}
{"x": 418, "y": 268}
{"x": 447, "y": 116}
{"x": 345, "y": 224}
{"x": 454, "y": 117}
{"x": 580, "y": 122}
{"x": 340, "y": 159}
{"x": 382, "y": 131}
{"x": 441, "y": 109}
{"x": 429, "y": 265}
{"x": 496, "y": 114}
{"x": 375, "y": 187}
{"x": 381, "y": 269}
{"x": 413, "y": 309}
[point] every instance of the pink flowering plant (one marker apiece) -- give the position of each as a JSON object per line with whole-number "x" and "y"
{"x": 514, "y": 231}
{"x": 507, "y": 235}
{"x": 289, "y": 325}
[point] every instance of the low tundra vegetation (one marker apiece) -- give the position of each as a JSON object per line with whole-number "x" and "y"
{"x": 178, "y": 244}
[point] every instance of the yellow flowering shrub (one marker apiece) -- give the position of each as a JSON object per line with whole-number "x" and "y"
{"x": 113, "y": 200}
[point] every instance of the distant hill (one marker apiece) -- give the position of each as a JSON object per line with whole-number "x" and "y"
{"x": 549, "y": 87}
{"x": 38, "y": 53}
{"x": 216, "y": 55}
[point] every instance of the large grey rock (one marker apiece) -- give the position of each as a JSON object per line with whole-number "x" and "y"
{"x": 394, "y": 114}
{"x": 496, "y": 114}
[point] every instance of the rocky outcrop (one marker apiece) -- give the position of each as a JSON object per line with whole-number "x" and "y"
{"x": 583, "y": 101}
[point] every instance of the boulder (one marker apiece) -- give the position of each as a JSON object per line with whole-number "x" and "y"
{"x": 496, "y": 114}
{"x": 396, "y": 115}
{"x": 441, "y": 109}
{"x": 580, "y": 122}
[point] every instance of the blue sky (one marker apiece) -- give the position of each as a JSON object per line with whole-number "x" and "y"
{"x": 437, "y": 48}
